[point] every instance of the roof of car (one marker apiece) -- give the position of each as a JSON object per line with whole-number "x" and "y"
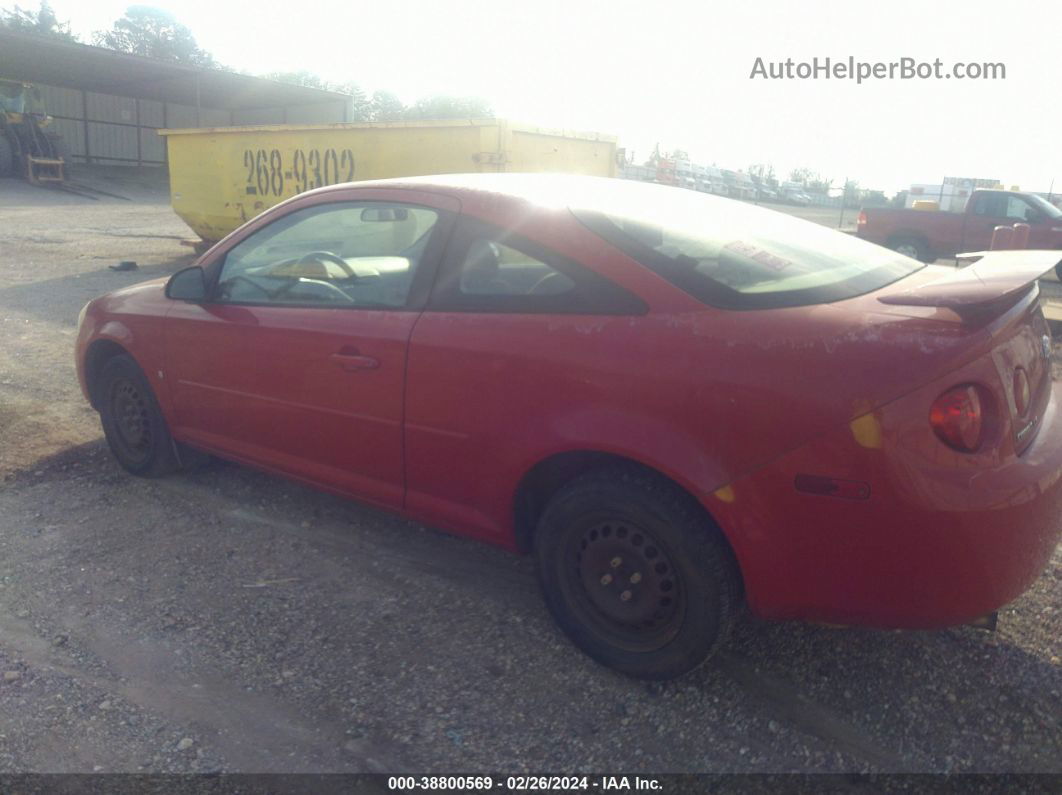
{"x": 559, "y": 189}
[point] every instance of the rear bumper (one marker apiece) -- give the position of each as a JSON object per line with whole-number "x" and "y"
{"x": 943, "y": 538}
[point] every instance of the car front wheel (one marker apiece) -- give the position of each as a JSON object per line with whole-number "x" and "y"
{"x": 636, "y": 574}
{"x": 132, "y": 421}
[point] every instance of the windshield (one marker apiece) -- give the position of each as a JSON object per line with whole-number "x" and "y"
{"x": 1044, "y": 206}
{"x": 735, "y": 256}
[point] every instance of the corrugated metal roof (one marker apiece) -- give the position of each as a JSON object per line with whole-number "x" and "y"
{"x": 36, "y": 59}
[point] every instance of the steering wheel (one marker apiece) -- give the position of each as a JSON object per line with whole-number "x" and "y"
{"x": 331, "y": 292}
{"x": 552, "y": 276}
{"x": 326, "y": 256}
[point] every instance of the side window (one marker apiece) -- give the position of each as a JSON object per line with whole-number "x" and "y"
{"x": 487, "y": 269}
{"x": 347, "y": 254}
{"x": 493, "y": 268}
{"x": 1019, "y": 209}
{"x": 992, "y": 205}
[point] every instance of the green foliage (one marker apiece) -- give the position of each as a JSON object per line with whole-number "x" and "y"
{"x": 765, "y": 171}
{"x": 42, "y": 22}
{"x": 299, "y": 78}
{"x": 154, "y": 33}
{"x": 444, "y": 107}
{"x": 386, "y": 106}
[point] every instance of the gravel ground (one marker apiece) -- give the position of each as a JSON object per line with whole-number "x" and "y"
{"x": 226, "y": 620}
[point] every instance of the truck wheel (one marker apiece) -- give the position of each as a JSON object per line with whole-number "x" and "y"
{"x": 635, "y": 573}
{"x": 132, "y": 421}
{"x": 911, "y": 247}
{"x": 7, "y": 157}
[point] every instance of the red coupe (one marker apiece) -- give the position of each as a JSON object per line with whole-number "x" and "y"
{"x": 680, "y": 403}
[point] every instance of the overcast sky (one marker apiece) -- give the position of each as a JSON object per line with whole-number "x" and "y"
{"x": 677, "y": 73}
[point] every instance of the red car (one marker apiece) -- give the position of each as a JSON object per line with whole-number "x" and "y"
{"x": 680, "y": 403}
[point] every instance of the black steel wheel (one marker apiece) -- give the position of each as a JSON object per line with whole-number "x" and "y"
{"x": 635, "y": 573}
{"x": 621, "y": 579}
{"x": 132, "y": 421}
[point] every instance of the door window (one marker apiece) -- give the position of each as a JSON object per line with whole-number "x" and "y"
{"x": 491, "y": 268}
{"x": 348, "y": 254}
{"x": 488, "y": 269}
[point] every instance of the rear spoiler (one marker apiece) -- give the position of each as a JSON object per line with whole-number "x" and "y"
{"x": 995, "y": 280}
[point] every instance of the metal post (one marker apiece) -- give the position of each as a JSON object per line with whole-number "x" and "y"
{"x": 139, "y": 145}
{"x": 198, "y": 121}
{"x": 85, "y": 123}
{"x": 844, "y": 199}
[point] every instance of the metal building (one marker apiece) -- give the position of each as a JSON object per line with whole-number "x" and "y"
{"x": 109, "y": 105}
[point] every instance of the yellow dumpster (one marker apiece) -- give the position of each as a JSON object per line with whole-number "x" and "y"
{"x": 223, "y": 176}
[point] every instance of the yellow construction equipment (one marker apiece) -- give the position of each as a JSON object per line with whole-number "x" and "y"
{"x": 221, "y": 177}
{"x": 27, "y": 147}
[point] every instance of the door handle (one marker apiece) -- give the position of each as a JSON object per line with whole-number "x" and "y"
{"x": 350, "y": 359}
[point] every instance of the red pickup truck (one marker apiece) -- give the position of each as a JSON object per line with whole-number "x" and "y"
{"x": 928, "y": 235}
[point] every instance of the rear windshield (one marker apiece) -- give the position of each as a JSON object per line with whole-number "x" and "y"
{"x": 738, "y": 256}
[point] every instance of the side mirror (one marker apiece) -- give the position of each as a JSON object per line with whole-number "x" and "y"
{"x": 187, "y": 285}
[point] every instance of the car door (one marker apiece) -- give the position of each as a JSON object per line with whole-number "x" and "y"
{"x": 514, "y": 335}
{"x": 296, "y": 363}
{"x": 997, "y": 209}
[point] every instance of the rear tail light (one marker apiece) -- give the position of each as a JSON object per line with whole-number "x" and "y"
{"x": 862, "y": 219}
{"x": 958, "y": 419}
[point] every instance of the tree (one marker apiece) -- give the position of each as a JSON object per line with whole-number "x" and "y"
{"x": 765, "y": 172}
{"x": 361, "y": 106}
{"x": 819, "y": 184}
{"x": 302, "y": 77}
{"x": 42, "y": 22}
{"x": 156, "y": 34}
{"x": 445, "y": 107}
{"x": 385, "y": 106}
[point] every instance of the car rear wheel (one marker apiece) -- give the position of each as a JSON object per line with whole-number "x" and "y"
{"x": 636, "y": 574}
{"x": 132, "y": 421}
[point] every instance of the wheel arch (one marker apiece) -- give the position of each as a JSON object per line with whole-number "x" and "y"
{"x": 913, "y": 235}
{"x": 548, "y": 475}
{"x": 98, "y": 353}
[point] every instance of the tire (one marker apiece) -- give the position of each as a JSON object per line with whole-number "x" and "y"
{"x": 635, "y": 573}
{"x": 1058, "y": 271}
{"x": 7, "y": 157}
{"x": 911, "y": 247}
{"x": 132, "y": 421}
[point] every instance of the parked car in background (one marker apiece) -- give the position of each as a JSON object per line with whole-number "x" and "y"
{"x": 568, "y": 365}
{"x": 764, "y": 192}
{"x": 738, "y": 184}
{"x": 794, "y": 193}
{"x": 716, "y": 181}
{"x": 929, "y": 235}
